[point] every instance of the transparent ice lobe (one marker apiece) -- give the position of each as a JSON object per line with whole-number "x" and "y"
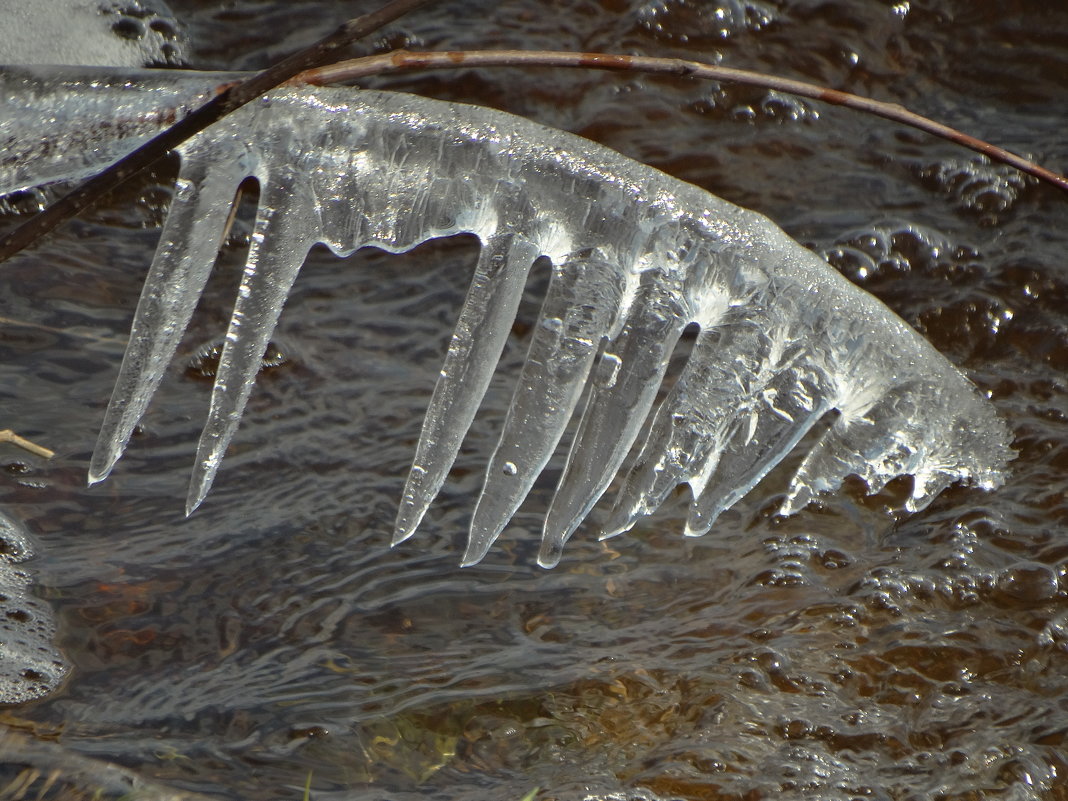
{"x": 637, "y": 257}
{"x": 62, "y": 124}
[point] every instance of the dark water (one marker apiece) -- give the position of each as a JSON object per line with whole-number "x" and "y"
{"x": 851, "y": 651}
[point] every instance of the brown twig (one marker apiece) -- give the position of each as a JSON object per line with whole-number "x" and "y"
{"x": 229, "y": 98}
{"x": 400, "y": 60}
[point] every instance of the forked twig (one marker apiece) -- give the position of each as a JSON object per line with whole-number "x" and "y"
{"x": 401, "y": 60}
{"x": 7, "y": 435}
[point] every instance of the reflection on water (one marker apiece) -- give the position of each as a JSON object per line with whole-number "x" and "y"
{"x": 848, "y": 652}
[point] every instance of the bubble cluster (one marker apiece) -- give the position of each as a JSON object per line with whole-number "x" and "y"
{"x": 685, "y": 21}
{"x": 895, "y": 247}
{"x": 978, "y": 186}
{"x": 151, "y": 26}
{"x": 30, "y": 665}
{"x": 787, "y": 108}
{"x": 204, "y": 363}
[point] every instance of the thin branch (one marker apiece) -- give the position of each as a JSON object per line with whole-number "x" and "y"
{"x": 401, "y": 60}
{"x": 227, "y": 100}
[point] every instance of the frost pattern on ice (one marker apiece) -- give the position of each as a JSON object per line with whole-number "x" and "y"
{"x": 637, "y": 257}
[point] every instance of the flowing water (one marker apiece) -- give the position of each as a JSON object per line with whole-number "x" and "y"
{"x": 851, "y": 651}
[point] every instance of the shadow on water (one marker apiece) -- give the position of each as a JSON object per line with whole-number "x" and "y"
{"x": 848, "y": 652}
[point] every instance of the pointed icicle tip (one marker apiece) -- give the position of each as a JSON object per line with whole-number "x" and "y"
{"x": 192, "y": 504}
{"x": 200, "y": 484}
{"x": 613, "y": 531}
{"x": 470, "y": 560}
{"x": 620, "y": 521}
{"x": 476, "y": 549}
{"x": 400, "y": 535}
{"x": 95, "y": 478}
{"x": 408, "y": 519}
{"x": 100, "y": 466}
{"x": 198, "y": 491}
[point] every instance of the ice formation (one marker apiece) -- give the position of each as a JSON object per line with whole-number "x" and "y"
{"x": 111, "y": 33}
{"x": 637, "y": 257}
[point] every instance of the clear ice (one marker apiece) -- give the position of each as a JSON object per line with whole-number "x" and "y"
{"x": 637, "y": 257}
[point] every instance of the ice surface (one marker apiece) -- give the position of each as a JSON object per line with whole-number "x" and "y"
{"x": 106, "y": 33}
{"x": 638, "y": 256}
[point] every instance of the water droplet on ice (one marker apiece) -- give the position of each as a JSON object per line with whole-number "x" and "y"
{"x": 183, "y": 189}
{"x": 609, "y": 370}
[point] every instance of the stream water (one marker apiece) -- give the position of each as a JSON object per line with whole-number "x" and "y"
{"x": 851, "y": 651}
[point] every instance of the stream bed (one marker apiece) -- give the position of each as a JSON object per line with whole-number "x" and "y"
{"x": 274, "y": 641}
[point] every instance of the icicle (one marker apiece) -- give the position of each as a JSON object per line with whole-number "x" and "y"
{"x": 186, "y": 253}
{"x": 575, "y": 316}
{"x": 638, "y": 255}
{"x": 287, "y": 220}
{"x": 477, "y": 342}
{"x": 625, "y": 383}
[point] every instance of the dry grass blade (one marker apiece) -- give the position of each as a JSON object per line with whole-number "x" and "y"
{"x": 7, "y": 435}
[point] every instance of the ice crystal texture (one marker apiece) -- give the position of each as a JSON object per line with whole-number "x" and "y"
{"x": 59, "y": 123}
{"x": 637, "y": 256}
{"x": 111, "y": 33}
